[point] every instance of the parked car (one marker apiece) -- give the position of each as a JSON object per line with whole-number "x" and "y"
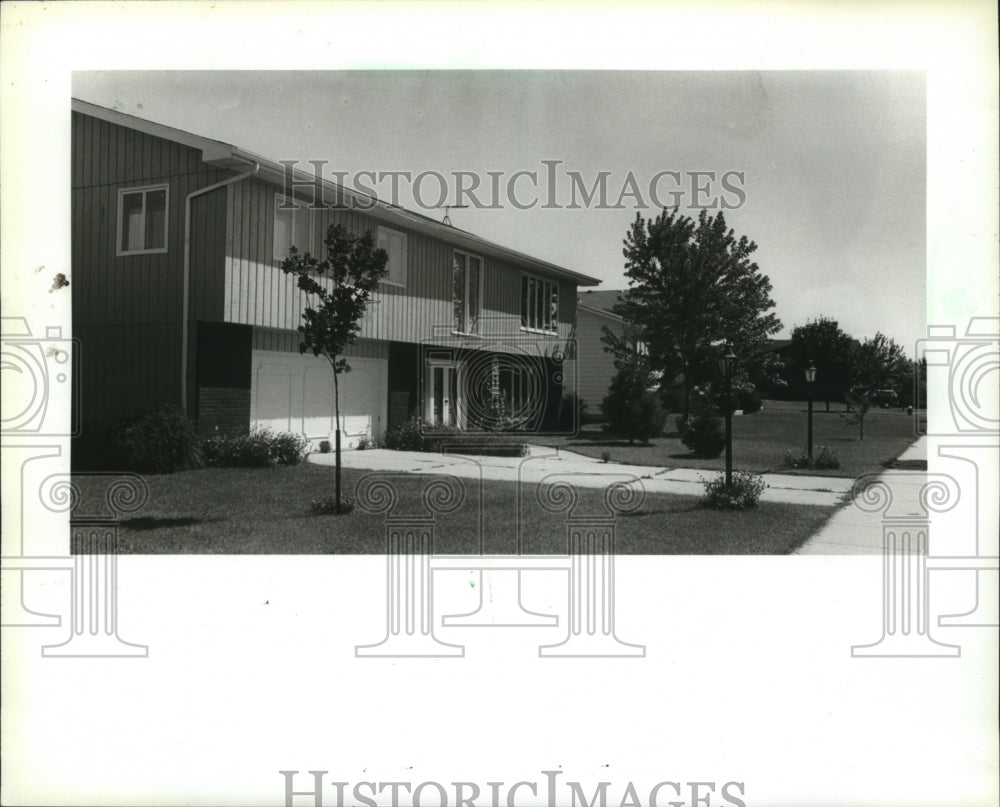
{"x": 886, "y": 398}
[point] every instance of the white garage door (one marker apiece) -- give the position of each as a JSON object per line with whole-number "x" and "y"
{"x": 294, "y": 393}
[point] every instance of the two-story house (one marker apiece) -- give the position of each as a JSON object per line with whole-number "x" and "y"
{"x": 178, "y": 297}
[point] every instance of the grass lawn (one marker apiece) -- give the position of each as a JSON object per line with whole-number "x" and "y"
{"x": 266, "y": 511}
{"x": 761, "y": 439}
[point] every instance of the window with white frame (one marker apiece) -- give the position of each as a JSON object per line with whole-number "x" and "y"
{"x": 467, "y": 288}
{"x": 394, "y": 243}
{"x": 142, "y": 220}
{"x": 539, "y": 304}
{"x": 292, "y": 226}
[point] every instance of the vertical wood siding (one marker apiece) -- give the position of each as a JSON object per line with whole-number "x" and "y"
{"x": 127, "y": 310}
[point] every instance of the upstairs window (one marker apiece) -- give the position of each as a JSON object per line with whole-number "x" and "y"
{"x": 394, "y": 243}
{"x": 292, "y": 226}
{"x": 467, "y": 291}
{"x": 142, "y": 220}
{"x": 539, "y": 304}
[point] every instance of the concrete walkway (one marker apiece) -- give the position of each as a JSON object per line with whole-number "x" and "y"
{"x": 543, "y": 462}
{"x": 852, "y": 531}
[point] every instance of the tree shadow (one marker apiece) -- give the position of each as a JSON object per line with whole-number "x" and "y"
{"x": 609, "y": 444}
{"x": 142, "y": 523}
{"x": 905, "y": 465}
{"x": 688, "y": 508}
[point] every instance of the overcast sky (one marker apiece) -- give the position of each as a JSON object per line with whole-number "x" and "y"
{"x": 833, "y": 163}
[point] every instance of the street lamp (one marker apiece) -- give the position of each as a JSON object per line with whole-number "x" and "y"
{"x": 810, "y": 380}
{"x": 726, "y": 365}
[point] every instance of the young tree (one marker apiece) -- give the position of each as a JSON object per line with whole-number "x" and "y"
{"x": 823, "y": 343}
{"x": 877, "y": 363}
{"x": 337, "y": 294}
{"x": 632, "y": 405}
{"x": 693, "y": 286}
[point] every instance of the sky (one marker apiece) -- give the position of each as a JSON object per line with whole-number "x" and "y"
{"x": 826, "y": 170}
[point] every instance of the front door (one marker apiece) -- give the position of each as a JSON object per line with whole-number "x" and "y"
{"x": 442, "y": 400}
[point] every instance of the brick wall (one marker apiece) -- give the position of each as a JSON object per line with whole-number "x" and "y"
{"x": 223, "y": 378}
{"x": 223, "y": 410}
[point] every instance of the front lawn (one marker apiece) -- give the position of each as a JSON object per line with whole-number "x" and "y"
{"x": 267, "y": 511}
{"x": 761, "y": 439}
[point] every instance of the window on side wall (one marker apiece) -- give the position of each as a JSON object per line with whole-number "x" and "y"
{"x": 539, "y": 304}
{"x": 467, "y": 292}
{"x": 292, "y": 226}
{"x": 394, "y": 243}
{"x": 142, "y": 220}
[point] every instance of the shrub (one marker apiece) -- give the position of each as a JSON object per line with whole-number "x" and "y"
{"x": 744, "y": 491}
{"x": 325, "y": 447}
{"x": 823, "y": 457}
{"x": 605, "y": 456}
{"x": 704, "y": 435}
{"x": 327, "y": 506}
{"x": 160, "y": 443}
{"x": 632, "y": 406}
{"x": 749, "y": 401}
{"x": 288, "y": 448}
{"x": 826, "y": 458}
{"x": 261, "y": 448}
{"x": 364, "y": 443}
{"x": 406, "y": 436}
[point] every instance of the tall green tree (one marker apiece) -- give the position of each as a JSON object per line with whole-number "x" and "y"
{"x": 693, "y": 287}
{"x": 338, "y": 290}
{"x": 822, "y": 342}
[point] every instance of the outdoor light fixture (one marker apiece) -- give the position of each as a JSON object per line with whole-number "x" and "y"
{"x": 810, "y": 379}
{"x": 727, "y": 364}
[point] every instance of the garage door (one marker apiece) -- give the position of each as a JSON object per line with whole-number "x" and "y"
{"x": 290, "y": 392}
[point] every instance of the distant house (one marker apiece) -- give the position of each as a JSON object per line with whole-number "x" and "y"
{"x": 595, "y": 366}
{"x": 178, "y": 297}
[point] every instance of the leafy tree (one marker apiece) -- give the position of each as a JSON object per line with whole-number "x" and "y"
{"x": 632, "y": 406}
{"x": 877, "y": 363}
{"x": 822, "y": 342}
{"x": 337, "y": 295}
{"x": 693, "y": 286}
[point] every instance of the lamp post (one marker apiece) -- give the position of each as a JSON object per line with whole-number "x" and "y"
{"x": 810, "y": 380}
{"x": 726, "y": 364}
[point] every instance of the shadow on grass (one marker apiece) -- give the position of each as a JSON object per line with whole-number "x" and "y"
{"x": 609, "y": 444}
{"x": 905, "y": 465}
{"x": 690, "y": 508}
{"x": 143, "y": 523}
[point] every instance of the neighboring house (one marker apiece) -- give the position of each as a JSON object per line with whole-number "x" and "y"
{"x": 178, "y": 297}
{"x": 596, "y": 367}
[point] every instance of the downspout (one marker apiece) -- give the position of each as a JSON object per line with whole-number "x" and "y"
{"x": 185, "y": 302}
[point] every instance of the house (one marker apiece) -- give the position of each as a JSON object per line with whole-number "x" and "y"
{"x": 178, "y": 297}
{"x": 596, "y": 367}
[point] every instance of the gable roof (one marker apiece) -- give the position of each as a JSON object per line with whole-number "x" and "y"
{"x": 600, "y": 301}
{"x": 226, "y": 155}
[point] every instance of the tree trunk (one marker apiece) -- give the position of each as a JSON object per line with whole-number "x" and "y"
{"x": 336, "y": 414}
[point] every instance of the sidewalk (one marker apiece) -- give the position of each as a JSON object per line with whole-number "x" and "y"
{"x": 851, "y": 531}
{"x": 586, "y": 471}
